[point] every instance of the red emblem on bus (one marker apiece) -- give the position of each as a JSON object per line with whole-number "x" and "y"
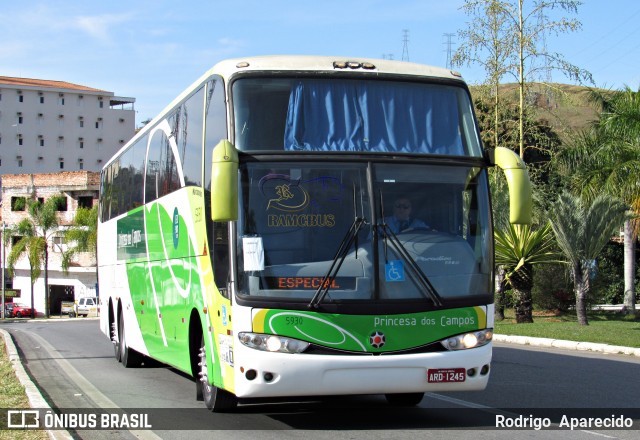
{"x": 377, "y": 339}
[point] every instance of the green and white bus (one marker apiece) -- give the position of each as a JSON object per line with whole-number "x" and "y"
{"x": 246, "y": 234}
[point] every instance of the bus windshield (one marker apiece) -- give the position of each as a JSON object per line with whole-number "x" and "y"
{"x": 384, "y": 227}
{"x": 346, "y": 115}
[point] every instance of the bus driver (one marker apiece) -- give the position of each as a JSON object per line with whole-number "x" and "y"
{"x": 401, "y": 219}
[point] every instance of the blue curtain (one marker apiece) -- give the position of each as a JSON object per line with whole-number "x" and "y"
{"x": 330, "y": 115}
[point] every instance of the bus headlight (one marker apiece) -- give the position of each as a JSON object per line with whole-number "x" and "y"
{"x": 272, "y": 343}
{"x": 468, "y": 340}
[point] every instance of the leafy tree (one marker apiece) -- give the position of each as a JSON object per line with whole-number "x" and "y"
{"x": 35, "y": 232}
{"x": 488, "y": 42}
{"x": 82, "y": 234}
{"x": 31, "y": 245}
{"x": 518, "y": 248}
{"x": 606, "y": 158}
{"x": 507, "y": 38}
{"x": 582, "y": 230}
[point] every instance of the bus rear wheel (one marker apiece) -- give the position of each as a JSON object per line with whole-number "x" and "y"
{"x": 128, "y": 356}
{"x": 216, "y": 399}
{"x": 404, "y": 399}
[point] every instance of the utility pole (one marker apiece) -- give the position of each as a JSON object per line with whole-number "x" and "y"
{"x": 2, "y": 249}
{"x": 449, "y": 44}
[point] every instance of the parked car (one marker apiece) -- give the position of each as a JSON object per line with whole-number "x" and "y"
{"x": 20, "y": 310}
{"x": 8, "y": 310}
{"x": 86, "y": 305}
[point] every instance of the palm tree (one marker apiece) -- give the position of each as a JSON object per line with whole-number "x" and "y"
{"x": 35, "y": 233}
{"x": 83, "y": 234}
{"x": 582, "y": 230}
{"x": 31, "y": 244}
{"x": 607, "y": 158}
{"x": 518, "y": 248}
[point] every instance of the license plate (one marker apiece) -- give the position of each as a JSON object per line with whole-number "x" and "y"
{"x": 440, "y": 375}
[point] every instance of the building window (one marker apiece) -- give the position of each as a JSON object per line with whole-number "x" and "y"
{"x": 20, "y": 120}
{"x": 85, "y": 202}
{"x": 41, "y": 141}
{"x": 58, "y": 242}
{"x": 18, "y": 203}
{"x": 100, "y": 103}
{"x": 19, "y": 163}
{"x": 20, "y": 97}
{"x": 81, "y": 165}
{"x": 62, "y": 204}
{"x": 81, "y": 143}
{"x": 62, "y": 164}
{"x": 81, "y": 122}
{"x": 61, "y": 99}
{"x": 20, "y": 142}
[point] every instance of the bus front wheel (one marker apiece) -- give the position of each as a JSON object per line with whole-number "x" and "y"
{"x": 404, "y": 399}
{"x": 216, "y": 399}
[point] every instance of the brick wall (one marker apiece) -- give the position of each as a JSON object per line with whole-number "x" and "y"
{"x": 72, "y": 185}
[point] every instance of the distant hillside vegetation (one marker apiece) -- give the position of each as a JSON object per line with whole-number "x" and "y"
{"x": 565, "y": 107}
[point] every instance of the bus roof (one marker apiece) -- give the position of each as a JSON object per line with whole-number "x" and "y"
{"x": 328, "y": 64}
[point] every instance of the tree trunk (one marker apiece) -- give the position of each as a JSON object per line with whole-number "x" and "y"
{"x": 521, "y": 86}
{"x": 500, "y": 294}
{"x": 629, "y": 268}
{"x": 522, "y": 283}
{"x": 581, "y": 288}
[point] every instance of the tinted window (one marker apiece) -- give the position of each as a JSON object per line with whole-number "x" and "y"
{"x": 186, "y": 127}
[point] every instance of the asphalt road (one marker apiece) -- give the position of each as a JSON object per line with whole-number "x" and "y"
{"x": 73, "y": 365}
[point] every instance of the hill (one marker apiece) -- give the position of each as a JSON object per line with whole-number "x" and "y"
{"x": 566, "y": 107}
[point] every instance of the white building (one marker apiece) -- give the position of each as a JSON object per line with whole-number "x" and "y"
{"x": 49, "y": 126}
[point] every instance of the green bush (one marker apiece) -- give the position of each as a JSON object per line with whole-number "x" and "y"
{"x": 552, "y": 288}
{"x": 608, "y": 285}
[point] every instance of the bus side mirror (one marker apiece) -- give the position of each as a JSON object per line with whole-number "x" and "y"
{"x": 224, "y": 182}
{"x": 515, "y": 170}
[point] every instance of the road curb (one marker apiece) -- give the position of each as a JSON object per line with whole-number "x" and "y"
{"x": 33, "y": 393}
{"x": 567, "y": 345}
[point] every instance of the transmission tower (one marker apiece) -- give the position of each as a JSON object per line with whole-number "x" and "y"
{"x": 542, "y": 24}
{"x": 405, "y": 45}
{"x": 449, "y": 44}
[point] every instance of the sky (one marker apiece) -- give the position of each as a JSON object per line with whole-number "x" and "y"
{"x": 151, "y": 50}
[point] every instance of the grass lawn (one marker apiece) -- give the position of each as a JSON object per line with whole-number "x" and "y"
{"x": 13, "y": 396}
{"x": 604, "y": 328}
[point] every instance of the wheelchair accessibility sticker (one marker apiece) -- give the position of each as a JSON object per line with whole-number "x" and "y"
{"x": 394, "y": 271}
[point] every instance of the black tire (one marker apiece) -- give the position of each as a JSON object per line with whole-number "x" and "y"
{"x": 115, "y": 337}
{"x": 404, "y": 399}
{"x": 19, "y": 315}
{"x": 216, "y": 399}
{"x": 71, "y": 314}
{"x": 128, "y": 356}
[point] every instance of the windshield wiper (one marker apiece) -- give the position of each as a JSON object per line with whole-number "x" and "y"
{"x": 415, "y": 272}
{"x": 347, "y": 241}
